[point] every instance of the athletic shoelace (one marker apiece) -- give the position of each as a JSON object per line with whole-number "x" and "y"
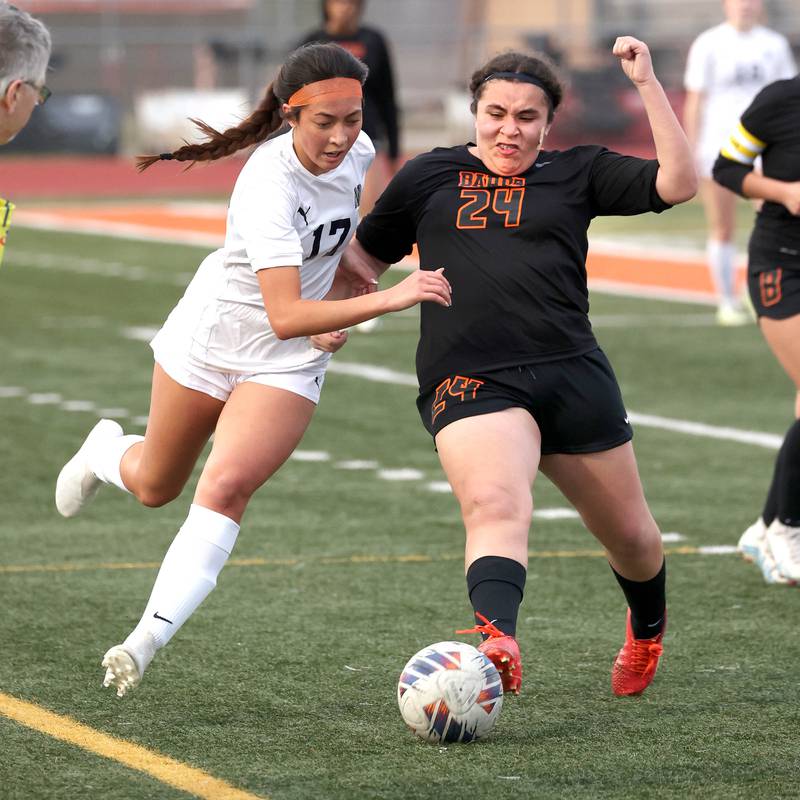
{"x": 488, "y": 627}
{"x": 644, "y": 656}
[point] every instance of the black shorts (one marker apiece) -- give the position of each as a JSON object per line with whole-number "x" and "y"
{"x": 576, "y": 402}
{"x": 773, "y": 279}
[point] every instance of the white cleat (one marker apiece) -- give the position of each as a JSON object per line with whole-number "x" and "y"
{"x": 752, "y": 540}
{"x": 121, "y": 670}
{"x": 784, "y": 542}
{"x": 755, "y": 546}
{"x": 729, "y": 316}
{"x": 77, "y": 484}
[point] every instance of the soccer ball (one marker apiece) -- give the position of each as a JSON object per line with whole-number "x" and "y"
{"x": 450, "y": 692}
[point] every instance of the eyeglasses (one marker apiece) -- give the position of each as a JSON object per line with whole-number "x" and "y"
{"x": 44, "y": 92}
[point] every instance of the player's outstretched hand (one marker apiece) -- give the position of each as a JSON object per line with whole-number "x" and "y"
{"x": 634, "y": 58}
{"x": 329, "y": 342}
{"x": 420, "y": 286}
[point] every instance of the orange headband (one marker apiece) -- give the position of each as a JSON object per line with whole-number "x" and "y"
{"x": 329, "y": 89}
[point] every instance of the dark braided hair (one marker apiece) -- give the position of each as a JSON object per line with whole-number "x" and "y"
{"x": 537, "y": 65}
{"x": 308, "y": 64}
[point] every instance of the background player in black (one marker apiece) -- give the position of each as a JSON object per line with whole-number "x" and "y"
{"x": 770, "y": 127}
{"x": 511, "y": 378}
{"x": 342, "y": 25}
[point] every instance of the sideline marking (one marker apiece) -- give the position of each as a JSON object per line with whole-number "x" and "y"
{"x": 163, "y": 768}
{"x": 411, "y": 558}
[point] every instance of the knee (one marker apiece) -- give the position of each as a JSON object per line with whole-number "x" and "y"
{"x": 156, "y": 496}
{"x": 225, "y": 489}
{"x": 636, "y": 539}
{"x": 495, "y": 503}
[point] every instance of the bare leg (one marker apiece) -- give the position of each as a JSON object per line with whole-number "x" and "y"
{"x": 606, "y": 491}
{"x": 491, "y": 462}
{"x": 180, "y": 423}
{"x": 258, "y": 429}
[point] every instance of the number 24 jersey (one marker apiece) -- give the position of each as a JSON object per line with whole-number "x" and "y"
{"x": 513, "y": 248}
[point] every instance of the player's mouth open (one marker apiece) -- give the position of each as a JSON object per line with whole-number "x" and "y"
{"x": 508, "y": 149}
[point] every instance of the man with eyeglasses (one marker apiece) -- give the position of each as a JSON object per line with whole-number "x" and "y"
{"x": 24, "y": 53}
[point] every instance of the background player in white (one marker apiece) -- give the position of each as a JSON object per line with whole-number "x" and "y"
{"x": 727, "y": 65}
{"x": 234, "y": 356}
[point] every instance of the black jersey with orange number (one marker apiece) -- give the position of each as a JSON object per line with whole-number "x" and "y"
{"x": 513, "y": 249}
{"x": 771, "y": 124}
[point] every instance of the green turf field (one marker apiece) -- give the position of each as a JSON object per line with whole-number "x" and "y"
{"x": 283, "y": 684}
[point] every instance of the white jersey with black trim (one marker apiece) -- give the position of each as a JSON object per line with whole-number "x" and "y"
{"x": 280, "y": 215}
{"x": 730, "y": 67}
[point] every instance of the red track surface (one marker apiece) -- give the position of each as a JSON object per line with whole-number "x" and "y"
{"x": 27, "y": 177}
{"x": 61, "y": 176}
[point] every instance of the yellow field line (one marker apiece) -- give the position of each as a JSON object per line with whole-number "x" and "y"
{"x": 10, "y": 569}
{"x": 162, "y": 768}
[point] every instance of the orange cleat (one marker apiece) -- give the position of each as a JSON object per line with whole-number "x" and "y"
{"x": 503, "y": 651}
{"x": 636, "y": 663}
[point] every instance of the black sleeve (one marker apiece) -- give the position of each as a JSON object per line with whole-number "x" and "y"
{"x": 730, "y": 174}
{"x": 389, "y": 231}
{"x": 624, "y": 185}
{"x": 757, "y": 120}
{"x": 383, "y": 84}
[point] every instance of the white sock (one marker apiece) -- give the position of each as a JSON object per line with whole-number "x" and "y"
{"x": 721, "y": 259}
{"x": 106, "y": 456}
{"x": 187, "y": 575}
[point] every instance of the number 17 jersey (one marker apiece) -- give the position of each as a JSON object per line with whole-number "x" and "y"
{"x": 513, "y": 248}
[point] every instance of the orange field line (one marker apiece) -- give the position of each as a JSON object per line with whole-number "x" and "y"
{"x": 639, "y": 270}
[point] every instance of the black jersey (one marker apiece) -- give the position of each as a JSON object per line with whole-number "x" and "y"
{"x": 513, "y": 249}
{"x": 380, "y": 109}
{"x": 770, "y": 127}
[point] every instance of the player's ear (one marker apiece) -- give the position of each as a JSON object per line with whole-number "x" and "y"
{"x": 8, "y": 100}
{"x": 286, "y": 111}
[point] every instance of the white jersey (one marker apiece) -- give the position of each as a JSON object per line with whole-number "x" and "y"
{"x": 730, "y": 67}
{"x": 280, "y": 215}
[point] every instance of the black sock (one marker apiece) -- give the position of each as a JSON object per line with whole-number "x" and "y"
{"x": 788, "y": 478}
{"x": 771, "y": 504}
{"x": 647, "y": 601}
{"x": 495, "y": 586}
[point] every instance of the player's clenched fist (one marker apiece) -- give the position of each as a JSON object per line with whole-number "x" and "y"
{"x": 634, "y": 57}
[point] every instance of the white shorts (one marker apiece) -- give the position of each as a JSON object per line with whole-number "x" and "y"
{"x": 192, "y": 374}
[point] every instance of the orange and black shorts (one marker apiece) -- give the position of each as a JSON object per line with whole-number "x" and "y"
{"x": 775, "y": 292}
{"x": 773, "y": 279}
{"x": 576, "y": 402}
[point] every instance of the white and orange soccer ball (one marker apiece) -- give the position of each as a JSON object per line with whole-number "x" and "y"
{"x": 450, "y": 692}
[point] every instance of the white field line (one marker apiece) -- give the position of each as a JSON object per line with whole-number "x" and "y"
{"x": 770, "y": 441}
{"x": 378, "y": 374}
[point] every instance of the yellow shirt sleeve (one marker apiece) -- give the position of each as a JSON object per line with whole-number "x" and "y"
{"x": 6, "y": 210}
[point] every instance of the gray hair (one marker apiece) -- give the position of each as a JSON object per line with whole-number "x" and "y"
{"x": 24, "y": 47}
